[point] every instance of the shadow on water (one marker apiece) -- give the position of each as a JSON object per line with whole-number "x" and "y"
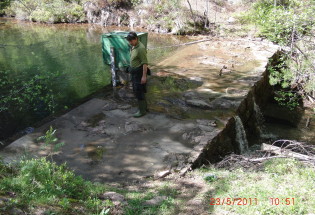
{"x": 280, "y": 123}
{"x": 66, "y": 64}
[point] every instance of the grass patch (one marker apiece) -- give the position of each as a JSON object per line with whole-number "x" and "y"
{"x": 40, "y": 184}
{"x": 279, "y": 186}
{"x": 136, "y": 204}
{"x": 136, "y": 200}
{"x": 284, "y": 186}
{"x": 32, "y": 184}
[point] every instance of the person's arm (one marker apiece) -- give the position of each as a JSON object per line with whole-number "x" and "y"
{"x": 144, "y": 75}
{"x": 144, "y": 62}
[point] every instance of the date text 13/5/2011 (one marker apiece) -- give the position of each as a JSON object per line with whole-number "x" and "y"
{"x": 250, "y": 201}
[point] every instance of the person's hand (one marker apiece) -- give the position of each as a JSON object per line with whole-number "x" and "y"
{"x": 143, "y": 80}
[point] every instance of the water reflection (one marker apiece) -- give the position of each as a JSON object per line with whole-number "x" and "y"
{"x": 38, "y": 49}
{"x": 67, "y": 56}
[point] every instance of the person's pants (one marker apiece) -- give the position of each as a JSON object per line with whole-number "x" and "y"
{"x": 138, "y": 89}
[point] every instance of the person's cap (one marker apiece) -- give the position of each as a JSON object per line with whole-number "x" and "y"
{"x": 132, "y": 36}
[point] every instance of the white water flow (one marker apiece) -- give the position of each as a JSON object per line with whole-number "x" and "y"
{"x": 260, "y": 119}
{"x": 241, "y": 138}
{"x": 259, "y": 115}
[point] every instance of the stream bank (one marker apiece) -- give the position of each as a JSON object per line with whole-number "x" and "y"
{"x": 152, "y": 15}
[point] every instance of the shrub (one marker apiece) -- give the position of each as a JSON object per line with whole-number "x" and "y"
{"x": 50, "y": 11}
{"x": 171, "y": 16}
{"x": 279, "y": 21}
{"x": 20, "y": 95}
{"x": 39, "y": 178}
{"x": 3, "y": 5}
{"x": 289, "y": 23}
{"x": 41, "y": 183}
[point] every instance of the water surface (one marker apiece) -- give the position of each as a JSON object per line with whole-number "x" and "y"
{"x": 48, "y": 68}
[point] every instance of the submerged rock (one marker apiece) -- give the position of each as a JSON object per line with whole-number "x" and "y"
{"x": 223, "y": 103}
{"x": 206, "y": 122}
{"x": 206, "y": 128}
{"x": 192, "y": 134}
{"x": 198, "y": 103}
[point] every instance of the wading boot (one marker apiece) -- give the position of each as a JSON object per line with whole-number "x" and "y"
{"x": 142, "y": 109}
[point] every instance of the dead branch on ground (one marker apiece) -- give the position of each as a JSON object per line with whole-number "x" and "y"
{"x": 278, "y": 149}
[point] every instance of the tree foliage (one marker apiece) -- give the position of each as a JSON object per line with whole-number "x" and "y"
{"x": 279, "y": 19}
{"x": 4, "y": 4}
{"x": 49, "y": 11}
{"x": 20, "y": 95}
{"x": 291, "y": 24}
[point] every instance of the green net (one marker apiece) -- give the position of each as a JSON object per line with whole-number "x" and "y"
{"x": 121, "y": 46}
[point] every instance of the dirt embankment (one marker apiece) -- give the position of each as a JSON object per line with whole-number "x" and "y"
{"x": 183, "y": 17}
{"x": 154, "y": 16}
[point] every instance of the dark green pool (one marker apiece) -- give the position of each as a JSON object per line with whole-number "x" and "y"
{"x": 48, "y": 68}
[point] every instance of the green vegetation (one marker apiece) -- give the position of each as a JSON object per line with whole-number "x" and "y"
{"x": 39, "y": 183}
{"x": 51, "y": 141}
{"x": 57, "y": 11}
{"x": 164, "y": 11}
{"x": 19, "y": 92}
{"x": 44, "y": 69}
{"x": 38, "y": 63}
{"x": 280, "y": 75}
{"x": 136, "y": 201}
{"x": 281, "y": 186}
{"x": 289, "y": 23}
{"x": 118, "y": 3}
{"x": 50, "y": 11}
{"x": 279, "y": 19}
{"x": 171, "y": 16}
{"x": 4, "y": 4}
{"x": 162, "y": 15}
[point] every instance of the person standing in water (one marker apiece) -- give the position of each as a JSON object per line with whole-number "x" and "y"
{"x": 138, "y": 69}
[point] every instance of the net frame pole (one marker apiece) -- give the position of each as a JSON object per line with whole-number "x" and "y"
{"x": 113, "y": 67}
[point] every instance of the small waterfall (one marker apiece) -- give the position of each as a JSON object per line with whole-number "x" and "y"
{"x": 241, "y": 138}
{"x": 260, "y": 120}
{"x": 259, "y": 116}
{"x": 264, "y": 135}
